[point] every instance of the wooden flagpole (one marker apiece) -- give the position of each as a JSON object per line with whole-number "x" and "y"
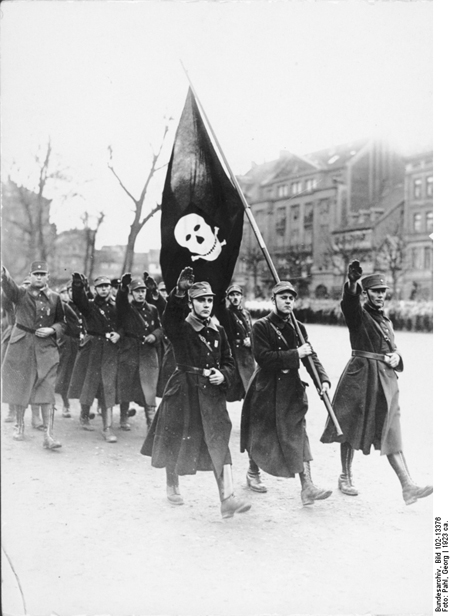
{"x": 271, "y": 265}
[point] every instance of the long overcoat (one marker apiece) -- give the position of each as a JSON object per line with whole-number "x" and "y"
{"x": 138, "y": 368}
{"x": 273, "y": 427}
{"x": 30, "y": 362}
{"x": 68, "y": 346}
{"x": 191, "y": 429}
{"x": 238, "y": 326}
{"x": 366, "y": 402}
{"x": 95, "y": 370}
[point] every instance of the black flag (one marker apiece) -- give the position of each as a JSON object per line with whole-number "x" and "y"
{"x": 201, "y": 211}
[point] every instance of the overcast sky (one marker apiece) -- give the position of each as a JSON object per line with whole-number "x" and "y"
{"x": 271, "y": 75}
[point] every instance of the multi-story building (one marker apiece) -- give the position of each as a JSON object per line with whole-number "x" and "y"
{"x": 299, "y": 202}
{"x": 418, "y": 226}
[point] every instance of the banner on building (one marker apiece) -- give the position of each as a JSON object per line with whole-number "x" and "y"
{"x": 201, "y": 211}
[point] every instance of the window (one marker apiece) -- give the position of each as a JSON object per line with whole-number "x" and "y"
{"x": 295, "y": 215}
{"x": 429, "y": 186}
{"x": 280, "y": 220}
{"x": 324, "y": 209}
{"x": 429, "y": 221}
{"x": 417, "y": 223}
{"x": 309, "y": 215}
{"x": 417, "y": 189}
{"x": 283, "y": 190}
{"x": 427, "y": 256}
{"x": 311, "y": 184}
{"x": 296, "y": 188}
{"x": 415, "y": 258}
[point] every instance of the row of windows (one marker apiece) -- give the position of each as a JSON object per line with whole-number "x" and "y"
{"x": 418, "y": 187}
{"x": 284, "y": 190}
{"x": 418, "y": 222}
{"x": 422, "y": 258}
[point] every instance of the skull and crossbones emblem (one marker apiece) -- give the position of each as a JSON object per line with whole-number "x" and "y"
{"x": 194, "y": 233}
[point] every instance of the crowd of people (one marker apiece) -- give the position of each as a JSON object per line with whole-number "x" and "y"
{"x": 127, "y": 341}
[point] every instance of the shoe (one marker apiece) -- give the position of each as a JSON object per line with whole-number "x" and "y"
{"x": 85, "y": 424}
{"x": 232, "y": 505}
{"x": 254, "y": 483}
{"x": 109, "y": 436}
{"x": 345, "y": 485}
{"x": 173, "y": 495}
{"x": 66, "y": 413}
{"x": 311, "y": 492}
{"x": 410, "y": 491}
{"x": 124, "y": 425}
{"x": 50, "y": 443}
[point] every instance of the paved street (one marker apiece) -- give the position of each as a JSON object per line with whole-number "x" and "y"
{"x": 88, "y": 530}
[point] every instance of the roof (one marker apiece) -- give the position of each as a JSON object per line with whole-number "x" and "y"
{"x": 336, "y": 156}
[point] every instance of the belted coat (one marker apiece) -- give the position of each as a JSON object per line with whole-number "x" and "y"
{"x": 366, "y": 402}
{"x": 68, "y": 345}
{"x": 191, "y": 429}
{"x": 138, "y": 368}
{"x": 273, "y": 426}
{"x": 30, "y": 362}
{"x": 237, "y": 323}
{"x": 95, "y": 369}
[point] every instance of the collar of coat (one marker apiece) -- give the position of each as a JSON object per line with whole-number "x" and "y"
{"x": 374, "y": 312}
{"x": 101, "y": 301}
{"x": 277, "y": 320}
{"x": 45, "y": 290}
{"x": 199, "y": 324}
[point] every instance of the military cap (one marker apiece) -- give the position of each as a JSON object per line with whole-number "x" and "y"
{"x": 38, "y": 266}
{"x": 101, "y": 280}
{"x": 115, "y": 282}
{"x": 137, "y": 283}
{"x": 234, "y": 287}
{"x": 162, "y": 286}
{"x": 374, "y": 281}
{"x": 200, "y": 289}
{"x": 282, "y": 286}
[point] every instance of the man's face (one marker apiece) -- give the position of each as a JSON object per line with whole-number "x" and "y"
{"x": 284, "y": 302}
{"x": 113, "y": 291}
{"x": 103, "y": 290}
{"x": 39, "y": 279}
{"x": 139, "y": 295}
{"x": 202, "y": 306}
{"x": 163, "y": 293}
{"x": 376, "y": 297}
{"x": 235, "y": 298}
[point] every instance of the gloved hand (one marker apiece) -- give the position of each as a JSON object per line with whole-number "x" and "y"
{"x": 354, "y": 271}
{"x": 185, "y": 279}
{"x": 125, "y": 280}
{"x": 150, "y": 283}
{"x": 78, "y": 279}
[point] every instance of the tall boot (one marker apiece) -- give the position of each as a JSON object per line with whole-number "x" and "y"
{"x": 411, "y": 492}
{"x": 124, "y": 425}
{"x": 108, "y": 434}
{"x": 150, "y": 412}
{"x": 85, "y": 417}
{"x": 310, "y": 492}
{"x": 66, "y": 408}
{"x": 19, "y": 427}
{"x": 172, "y": 488}
{"x": 48, "y": 413}
{"x": 229, "y": 503}
{"x": 254, "y": 481}
{"x": 345, "y": 479}
{"x": 11, "y": 417}
{"x": 36, "y": 422}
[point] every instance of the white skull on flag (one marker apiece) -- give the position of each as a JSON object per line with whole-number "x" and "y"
{"x": 195, "y": 234}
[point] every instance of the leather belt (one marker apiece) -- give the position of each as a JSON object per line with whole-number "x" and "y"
{"x": 30, "y": 330}
{"x": 194, "y": 370}
{"x": 135, "y": 336}
{"x": 368, "y": 355}
{"x": 96, "y": 334}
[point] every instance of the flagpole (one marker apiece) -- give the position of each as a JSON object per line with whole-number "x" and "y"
{"x": 268, "y": 258}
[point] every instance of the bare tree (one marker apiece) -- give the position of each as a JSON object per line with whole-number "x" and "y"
{"x": 252, "y": 257}
{"x": 91, "y": 236}
{"x": 390, "y": 256}
{"x": 139, "y": 220}
{"x": 344, "y": 248}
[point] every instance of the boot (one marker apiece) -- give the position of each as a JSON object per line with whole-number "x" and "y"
{"x": 345, "y": 479}
{"x": 48, "y": 412}
{"x": 108, "y": 434}
{"x": 173, "y": 490}
{"x": 254, "y": 481}
{"x": 66, "y": 409}
{"x": 124, "y": 425}
{"x": 85, "y": 417}
{"x": 411, "y": 492}
{"x": 11, "y": 417}
{"x": 310, "y": 492}
{"x": 19, "y": 427}
{"x": 150, "y": 412}
{"x": 229, "y": 503}
{"x": 36, "y": 422}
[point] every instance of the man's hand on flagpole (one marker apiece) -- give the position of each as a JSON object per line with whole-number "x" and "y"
{"x": 185, "y": 280}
